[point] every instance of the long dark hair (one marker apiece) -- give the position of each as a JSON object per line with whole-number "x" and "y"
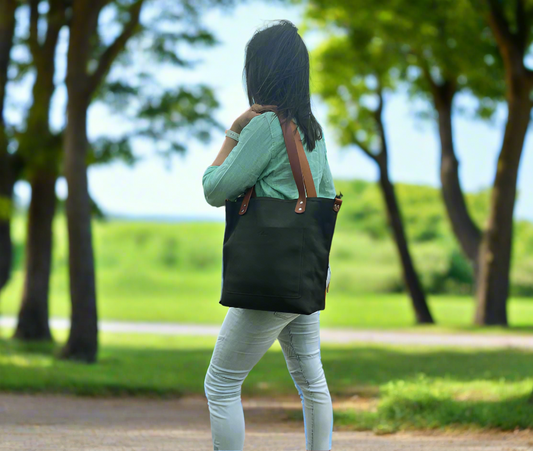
{"x": 276, "y": 72}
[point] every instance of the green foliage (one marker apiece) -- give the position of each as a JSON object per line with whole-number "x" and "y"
{"x": 167, "y": 115}
{"x": 521, "y": 280}
{"x": 523, "y": 253}
{"x": 6, "y": 208}
{"x": 372, "y": 47}
{"x": 174, "y": 116}
{"x": 423, "y": 212}
{"x": 161, "y": 246}
{"x": 106, "y": 150}
{"x": 423, "y": 44}
{"x": 441, "y": 265}
{"x": 353, "y": 93}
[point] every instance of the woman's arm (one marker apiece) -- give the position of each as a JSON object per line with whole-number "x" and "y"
{"x": 327, "y": 187}
{"x": 227, "y": 147}
{"x": 241, "y": 164}
{"x": 242, "y": 121}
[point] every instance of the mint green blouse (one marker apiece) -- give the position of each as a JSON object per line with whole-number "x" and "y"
{"x": 260, "y": 158}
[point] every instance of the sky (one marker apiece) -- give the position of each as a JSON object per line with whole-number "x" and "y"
{"x": 152, "y": 190}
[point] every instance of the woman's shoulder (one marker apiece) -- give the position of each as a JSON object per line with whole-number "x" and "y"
{"x": 273, "y": 122}
{"x": 275, "y": 126}
{"x": 258, "y": 121}
{"x": 257, "y": 130}
{"x": 270, "y": 119}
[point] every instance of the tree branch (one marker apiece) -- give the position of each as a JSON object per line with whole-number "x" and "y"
{"x": 522, "y": 22}
{"x": 529, "y": 75}
{"x": 507, "y": 42}
{"x": 56, "y": 19}
{"x": 382, "y": 157}
{"x": 111, "y": 53}
{"x": 433, "y": 86}
{"x": 379, "y": 110}
{"x": 7, "y": 30}
{"x": 364, "y": 148}
{"x": 499, "y": 22}
{"x": 33, "y": 39}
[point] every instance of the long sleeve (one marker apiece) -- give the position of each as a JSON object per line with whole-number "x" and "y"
{"x": 243, "y": 166}
{"x": 327, "y": 187}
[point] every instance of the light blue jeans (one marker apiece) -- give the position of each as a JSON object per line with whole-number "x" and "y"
{"x": 245, "y": 336}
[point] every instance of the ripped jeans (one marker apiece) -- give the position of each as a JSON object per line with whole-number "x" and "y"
{"x": 245, "y": 336}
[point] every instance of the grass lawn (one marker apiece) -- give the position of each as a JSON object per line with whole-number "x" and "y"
{"x": 192, "y": 297}
{"x": 408, "y": 387}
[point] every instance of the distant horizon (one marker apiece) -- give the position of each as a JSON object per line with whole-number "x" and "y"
{"x": 217, "y": 214}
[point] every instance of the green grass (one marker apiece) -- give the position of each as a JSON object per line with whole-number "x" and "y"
{"x": 192, "y": 297}
{"x": 426, "y": 403}
{"x": 408, "y": 387}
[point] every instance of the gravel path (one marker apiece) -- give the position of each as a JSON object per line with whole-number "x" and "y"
{"x": 337, "y": 335}
{"x": 56, "y": 423}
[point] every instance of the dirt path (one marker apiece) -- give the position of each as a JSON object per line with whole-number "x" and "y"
{"x": 327, "y": 335}
{"x": 51, "y": 422}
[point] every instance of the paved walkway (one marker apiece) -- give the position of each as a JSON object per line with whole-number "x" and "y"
{"x": 57, "y": 423}
{"x": 337, "y": 335}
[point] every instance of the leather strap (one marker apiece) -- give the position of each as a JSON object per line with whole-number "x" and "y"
{"x": 304, "y": 163}
{"x": 296, "y": 168}
{"x": 246, "y": 200}
{"x": 297, "y": 159}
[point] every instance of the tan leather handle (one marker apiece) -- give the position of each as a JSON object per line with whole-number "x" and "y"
{"x": 297, "y": 159}
{"x": 296, "y": 168}
{"x": 304, "y": 163}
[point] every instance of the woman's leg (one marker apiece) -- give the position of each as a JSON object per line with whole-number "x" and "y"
{"x": 300, "y": 341}
{"x": 244, "y": 338}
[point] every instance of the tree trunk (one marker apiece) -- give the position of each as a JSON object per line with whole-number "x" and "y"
{"x": 464, "y": 228}
{"x": 6, "y": 252}
{"x": 394, "y": 215}
{"x": 81, "y": 85}
{"x": 496, "y": 245}
{"x": 33, "y": 315}
{"x": 7, "y": 181}
{"x": 418, "y": 297}
{"x": 7, "y": 30}
{"x": 7, "y": 171}
{"x": 42, "y": 152}
{"x": 82, "y": 342}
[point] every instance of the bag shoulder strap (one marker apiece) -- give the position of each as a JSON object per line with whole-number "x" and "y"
{"x": 304, "y": 163}
{"x": 297, "y": 159}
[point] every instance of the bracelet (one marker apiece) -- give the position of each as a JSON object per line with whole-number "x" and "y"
{"x": 233, "y": 135}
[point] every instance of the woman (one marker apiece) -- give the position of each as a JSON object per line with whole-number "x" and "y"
{"x": 277, "y": 73}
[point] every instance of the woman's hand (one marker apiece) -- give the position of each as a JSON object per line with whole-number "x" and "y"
{"x": 243, "y": 120}
{"x": 255, "y": 110}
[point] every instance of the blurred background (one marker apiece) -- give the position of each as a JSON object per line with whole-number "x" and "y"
{"x": 111, "y": 111}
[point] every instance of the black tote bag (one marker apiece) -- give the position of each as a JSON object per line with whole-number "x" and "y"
{"x": 276, "y": 252}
